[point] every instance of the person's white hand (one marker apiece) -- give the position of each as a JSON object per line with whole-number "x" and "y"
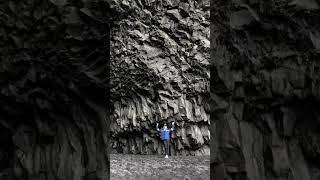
{"x": 157, "y": 124}
{"x": 172, "y": 123}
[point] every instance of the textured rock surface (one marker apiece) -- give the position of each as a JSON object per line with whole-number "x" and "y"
{"x": 53, "y": 81}
{"x": 265, "y": 90}
{"x": 160, "y": 70}
{"x": 145, "y": 167}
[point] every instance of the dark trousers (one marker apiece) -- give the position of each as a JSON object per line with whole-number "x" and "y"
{"x": 166, "y": 146}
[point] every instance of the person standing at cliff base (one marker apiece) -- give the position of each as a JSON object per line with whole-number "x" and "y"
{"x": 165, "y": 137}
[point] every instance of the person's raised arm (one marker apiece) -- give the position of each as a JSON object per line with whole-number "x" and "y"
{"x": 158, "y": 127}
{"x": 172, "y": 126}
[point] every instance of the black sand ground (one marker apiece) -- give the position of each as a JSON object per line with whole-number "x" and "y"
{"x": 145, "y": 167}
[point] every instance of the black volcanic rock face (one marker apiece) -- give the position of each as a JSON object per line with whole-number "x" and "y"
{"x": 53, "y": 77}
{"x": 160, "y": 70}
{"x": 265, "y": 90}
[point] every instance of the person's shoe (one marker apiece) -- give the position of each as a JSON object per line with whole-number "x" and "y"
{"x": 166, "y": 156}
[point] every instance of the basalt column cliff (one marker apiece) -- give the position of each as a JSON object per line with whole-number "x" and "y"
{"x": 160, "y": 70}
{"x": 265, "y": 90}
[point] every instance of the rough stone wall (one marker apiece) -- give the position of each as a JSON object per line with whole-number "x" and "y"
{"x": 160, "y": 70}
{"x": 265, "y": 83}
{"x": 53, "y": 81}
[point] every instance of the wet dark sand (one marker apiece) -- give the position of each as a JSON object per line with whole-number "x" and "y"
{"x": 145, "y": 167}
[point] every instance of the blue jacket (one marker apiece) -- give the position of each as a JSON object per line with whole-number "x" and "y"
{"x": 165, "y": 134}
